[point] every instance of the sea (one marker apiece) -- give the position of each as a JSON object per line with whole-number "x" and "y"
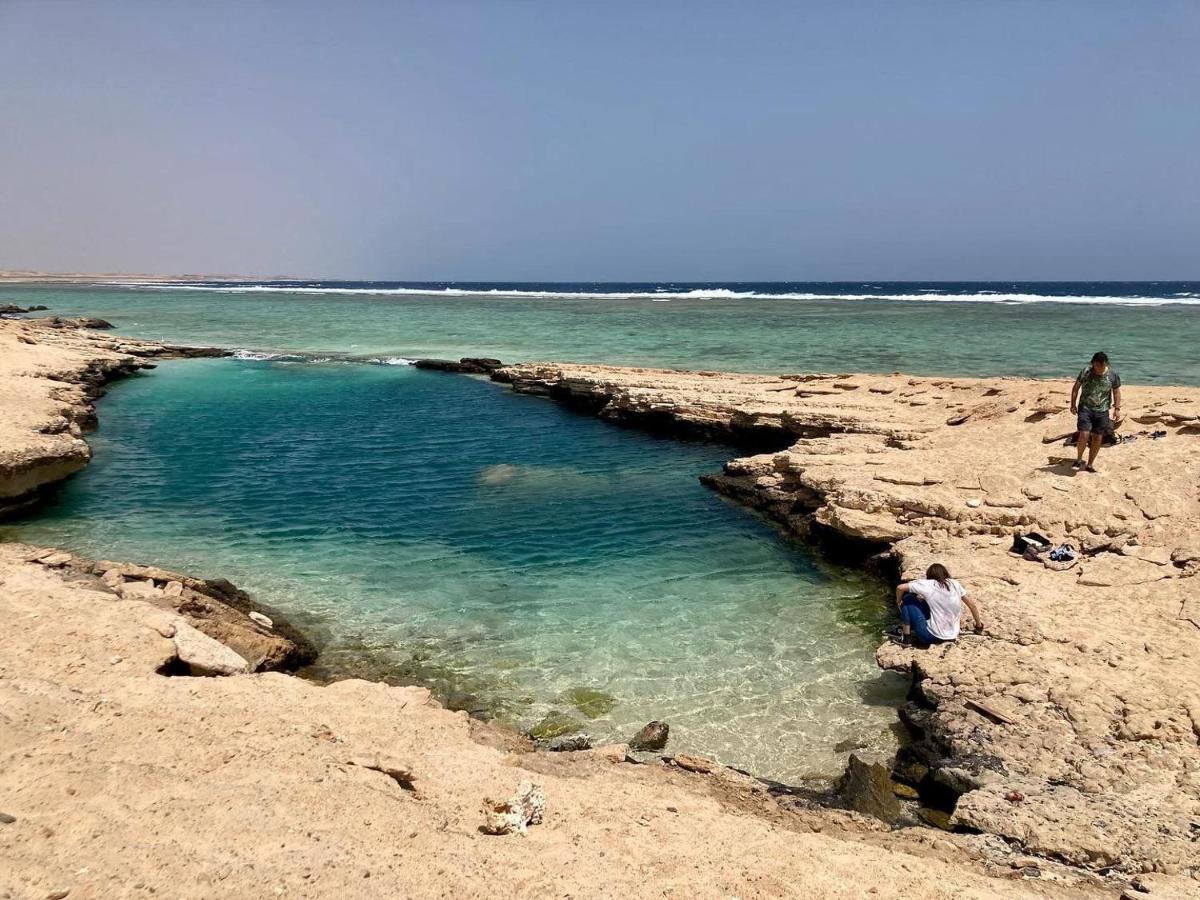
{"x": 529, "y": 564}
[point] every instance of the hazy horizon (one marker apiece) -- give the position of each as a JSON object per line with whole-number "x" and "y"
{"x": 541, "y": 142}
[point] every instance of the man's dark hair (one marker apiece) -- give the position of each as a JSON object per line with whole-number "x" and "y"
{"x": 1100, "y": 356}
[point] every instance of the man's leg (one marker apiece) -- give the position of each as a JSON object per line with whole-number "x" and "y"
{"x": 1101, "y": 425}
{"x": 1081, "y": 444}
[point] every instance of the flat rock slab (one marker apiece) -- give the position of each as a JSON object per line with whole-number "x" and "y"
{"x": 1109, "y": 570}
{"x": 205, "y": 656}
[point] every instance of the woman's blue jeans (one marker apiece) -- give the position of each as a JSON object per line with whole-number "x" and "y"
{"x": 914, "y": 612}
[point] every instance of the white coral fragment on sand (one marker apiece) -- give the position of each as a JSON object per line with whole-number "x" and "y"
{"x": 526, "y": 807}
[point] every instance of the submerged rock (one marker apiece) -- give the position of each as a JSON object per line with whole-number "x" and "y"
{"x": 555, "y": 724}
{"x": 591, "y": 703}
{"x": 653, "y": 736}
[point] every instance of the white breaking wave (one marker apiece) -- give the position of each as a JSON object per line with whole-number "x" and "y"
{"x": 663, "y": 296}
{"x": 264, "y": 355}
{"x": 286, "y": 356}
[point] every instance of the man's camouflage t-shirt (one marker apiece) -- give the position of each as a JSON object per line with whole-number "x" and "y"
{"x": 1096, "y": 391}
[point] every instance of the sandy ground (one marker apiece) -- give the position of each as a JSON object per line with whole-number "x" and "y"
{"x": 118, "y": 780}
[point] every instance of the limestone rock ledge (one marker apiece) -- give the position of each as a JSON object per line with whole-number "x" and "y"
{"x": 1094, "y": 672}
{"x": 260, "y": 636}
{"x": 51, "y": 371}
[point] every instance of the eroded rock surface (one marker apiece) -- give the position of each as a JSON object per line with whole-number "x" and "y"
{"x": 1095, "y": 669}
{"x": 51, "y": 371}
{"x": 118, "y": 780}
{"x": 218, "y": 610}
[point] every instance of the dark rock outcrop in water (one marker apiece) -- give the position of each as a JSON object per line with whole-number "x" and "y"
{"x": 867, "y": 786}
{"x": 76, "y": 322}
{"x": 468, "y": 365}
{"x": 653, "y": 736}
{"x": 11, "y": 309}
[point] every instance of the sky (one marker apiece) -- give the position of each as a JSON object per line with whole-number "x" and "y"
{"x": 613, "y": 141}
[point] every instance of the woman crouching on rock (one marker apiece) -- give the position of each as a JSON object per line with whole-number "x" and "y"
{"x": 931, "y": 607}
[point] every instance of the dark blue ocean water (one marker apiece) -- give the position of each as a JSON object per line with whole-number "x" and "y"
{"x": 963, "y": 291}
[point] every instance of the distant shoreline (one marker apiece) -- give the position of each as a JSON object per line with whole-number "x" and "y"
{"x": 14, "y": 276}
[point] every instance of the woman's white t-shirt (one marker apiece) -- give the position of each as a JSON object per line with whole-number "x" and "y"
{"x": 945, "y": 605}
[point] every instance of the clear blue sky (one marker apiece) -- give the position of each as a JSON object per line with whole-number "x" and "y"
{"x": 607, "y": 140}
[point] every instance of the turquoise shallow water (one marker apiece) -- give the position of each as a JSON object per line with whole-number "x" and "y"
{"x": 970, "y": 335}
{"x": 506, "y": 551}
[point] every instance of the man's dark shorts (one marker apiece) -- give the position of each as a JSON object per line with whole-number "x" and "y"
{"x": 1094, "y": 420}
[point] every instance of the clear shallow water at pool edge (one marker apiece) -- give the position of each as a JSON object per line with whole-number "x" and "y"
{"x": 497, "y": 546}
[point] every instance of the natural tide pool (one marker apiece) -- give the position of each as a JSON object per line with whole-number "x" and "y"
{"x": 517, "y": 557}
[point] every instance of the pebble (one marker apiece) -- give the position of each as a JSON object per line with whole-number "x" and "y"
{"x": 6, "y": 819}
{"x": 166, "y": 629}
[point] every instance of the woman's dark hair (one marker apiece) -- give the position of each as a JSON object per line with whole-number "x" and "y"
{"x": 1100, "y": 356}
{"x": 940, "y": 574}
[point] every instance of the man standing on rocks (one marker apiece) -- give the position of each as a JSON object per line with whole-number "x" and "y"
{"x": 1096, "y": 391}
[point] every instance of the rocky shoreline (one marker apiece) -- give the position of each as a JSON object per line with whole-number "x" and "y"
{"x": 1073, "y": 730}
{"x": 98, "y": 637}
